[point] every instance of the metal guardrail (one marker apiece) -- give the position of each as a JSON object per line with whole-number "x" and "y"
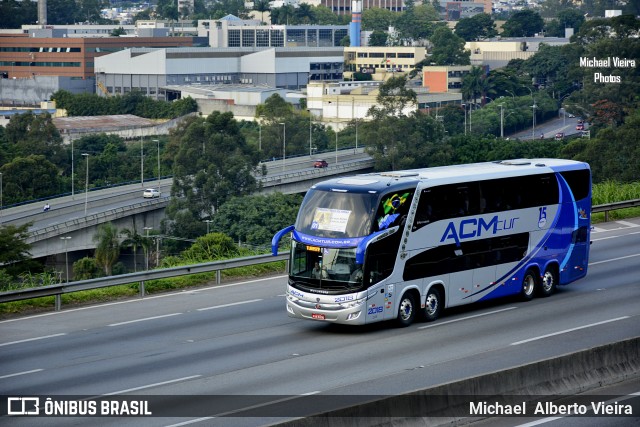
{"x": 614, "y": 206}
{"x": 125, "y": 279}
{"x": 217, "y": 266}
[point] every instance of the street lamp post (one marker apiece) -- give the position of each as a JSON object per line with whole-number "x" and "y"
{"x": 310, "y": 135}
{"x": 141, "y": 161}
{"x": 147, "y": 245}
{"x": 72, "y": 170}
{"x": 0, "y": 197}
{"x": 501, "y": 121}
{"x": 208, "y": 221}
{"x": 464, "y": 107}
{"x": 284, "y": 145}
{"x": 158, "y": 142}
{"x": 66, "y": 255}
{"x": 356, "y": 119}
{"x": 86, "y": 184}
{"x": 336, "y": 145}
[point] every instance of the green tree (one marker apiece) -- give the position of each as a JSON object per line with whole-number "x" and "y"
{"x": 108, "y": 247}
{"x": 134, "y": 241}
{"x": 13, "y": 246}
{"x": 523, "y": 23}
{"x": 212, "y": 162}
{"x": 613, "y": 153}
{"x": 477, "y": 27}
{"x": 255, "y": 219}
{"x": 85, "y": 268}
{"x": 14, "y": 14}
{"x": 29, "y": 178}
{"x": 325, "y": 16}
{"x": 378, "y": 19}
{"x": 393, "y": 98}
{"x": 210, "y": 247}
{"x": 261, "y": 6}
{"x": 420, "y": 144}
{"x": 378, "y": 38}
{"x": 448, "y": 49}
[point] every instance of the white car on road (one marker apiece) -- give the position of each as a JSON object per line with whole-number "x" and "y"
{"x": 151, "y": 193}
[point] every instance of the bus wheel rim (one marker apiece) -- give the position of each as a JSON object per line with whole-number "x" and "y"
{"x": 547, "y": 281}
{"x": 405, "y": 309}
{"x": 432, "y": 304}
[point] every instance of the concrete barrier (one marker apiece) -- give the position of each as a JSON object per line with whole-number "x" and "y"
{"x": 569, "y": 374}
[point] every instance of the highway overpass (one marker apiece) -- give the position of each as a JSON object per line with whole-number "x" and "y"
{"x": 78, "y": 216}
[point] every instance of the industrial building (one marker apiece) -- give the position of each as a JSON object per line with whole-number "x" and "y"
{"x": 152, "y": 70}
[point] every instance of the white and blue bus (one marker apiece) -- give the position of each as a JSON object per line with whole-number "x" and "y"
{"x": 396, "y": 245}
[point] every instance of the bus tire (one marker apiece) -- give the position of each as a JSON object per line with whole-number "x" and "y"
{"x": 549, "y": 281}
{"x": 406, "y": 310}
{"x": 432, "y": 305}
{"x": 529, "y": 285}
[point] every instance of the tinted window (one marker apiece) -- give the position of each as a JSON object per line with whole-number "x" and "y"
{"x": 489, "y": 196}
{"x": 469, "y": 255}
{"x": 579, "y": 182}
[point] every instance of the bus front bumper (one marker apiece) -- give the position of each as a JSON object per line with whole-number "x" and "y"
{"x": 352, "y": 313}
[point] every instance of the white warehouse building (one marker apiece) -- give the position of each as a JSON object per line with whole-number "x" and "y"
{"x": 152, "y": 70}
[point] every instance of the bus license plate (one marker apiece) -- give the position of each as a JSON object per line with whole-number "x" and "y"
{"x": 317, "y": 316}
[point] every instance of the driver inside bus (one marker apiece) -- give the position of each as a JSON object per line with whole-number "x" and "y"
{"x": 319, "y": 272}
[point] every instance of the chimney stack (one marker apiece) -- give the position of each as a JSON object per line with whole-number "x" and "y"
{"x": 42, "y": 13}
{"x": 356, "y": 19}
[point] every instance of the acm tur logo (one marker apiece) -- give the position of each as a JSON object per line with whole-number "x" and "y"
{"x": 476, "y": 227}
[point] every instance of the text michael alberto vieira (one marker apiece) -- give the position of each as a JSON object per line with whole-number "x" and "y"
{"x": 608, "y": 62}
{"x": 549, "y": 408}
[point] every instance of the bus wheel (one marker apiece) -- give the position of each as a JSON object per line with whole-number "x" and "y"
{"x": 529, "y": 285}
{"x": 549, "y": 281}
{"x": 406, "y": 310}
{"x": 433, "y": 305}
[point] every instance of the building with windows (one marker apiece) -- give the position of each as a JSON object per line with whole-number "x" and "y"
{"x": 454, "y": 10}
{"x": 231, "y": 31}
{"x": 152, "y": 70}
{"x": 33, "y": 65}
{"x": 343, "y": 7}
{"x": 382, "y": 62}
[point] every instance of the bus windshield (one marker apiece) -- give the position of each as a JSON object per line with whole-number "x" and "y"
{"x": 335, "y": 214}
{"x": 325, "y": 268}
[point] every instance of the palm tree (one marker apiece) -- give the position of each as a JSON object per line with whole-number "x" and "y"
{"x": 108, "y": 248}
{"x": 473, "y": 84}
{"x": 134, "y": 240}
{"x": 261, "y": 6}
{"x": 305, "y": 15}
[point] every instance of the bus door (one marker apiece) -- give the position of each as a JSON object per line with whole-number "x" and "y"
{"x": 376, "y": 303}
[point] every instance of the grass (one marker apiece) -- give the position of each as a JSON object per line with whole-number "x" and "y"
{"x": 609, "y": 192}
{"x": 114, "y": 293}
{"x": 606, "y": 192}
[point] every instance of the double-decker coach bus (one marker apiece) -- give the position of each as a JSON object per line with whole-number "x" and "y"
{"x": 402, "y": 244}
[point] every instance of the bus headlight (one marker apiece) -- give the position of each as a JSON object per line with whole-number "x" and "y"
{"x": 355, "y": 303}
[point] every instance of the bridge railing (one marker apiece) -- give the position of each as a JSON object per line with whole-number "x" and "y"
{"x": 163, "y": 273}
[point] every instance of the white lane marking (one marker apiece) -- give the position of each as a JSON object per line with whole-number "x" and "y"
{"x": 177, "y": 380}
{"x": 598, "y": 230}
{"x": 613, "y": 259}
{"x": 467, "y": 318}
{"x": 628, "y": 224}
{"x": 32, "y": 339}
{"x": 608, "y": 402}
{"x": 145, "y": 319}
{"x": 146, "y": 298}
{"x": 33, "y": 371}
{"x": 569, "y": 330}
{"x": 197, "y": 420}
{"x": 616, "y": 237}
{"x": 228, "y": 305}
